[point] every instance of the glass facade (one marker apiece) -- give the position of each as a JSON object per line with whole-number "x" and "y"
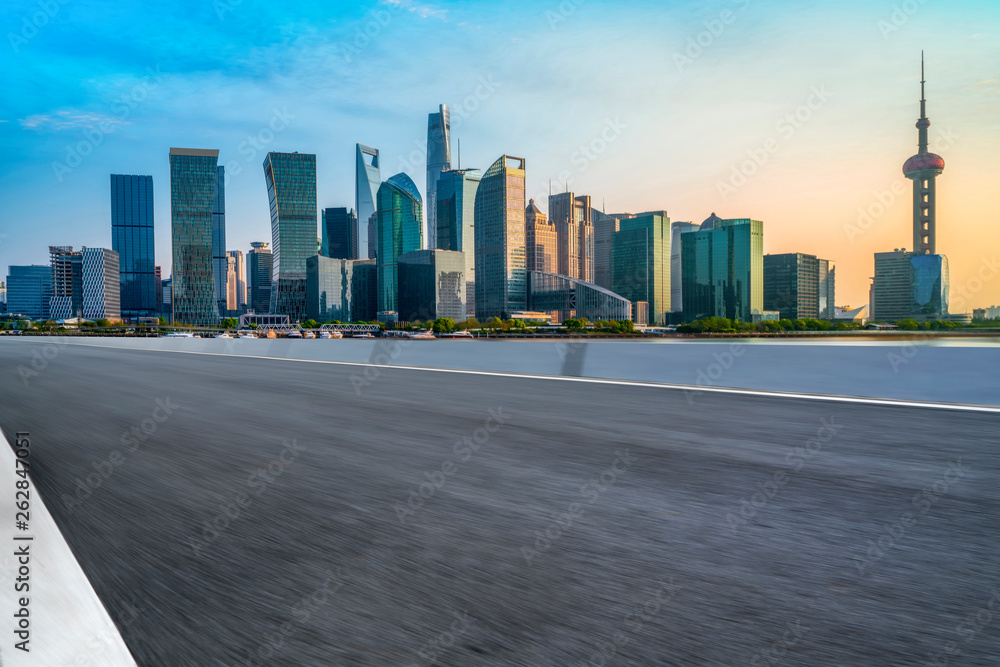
{"x": 29, "y": 290}
{"x": 193, "y": 177}
{"x": 291, "y": 193}
{"x": 399, "y": 230}
{"x": 236, "y": 284}
{"x": 552, "y": 292}
{"x": 132, "y": 239}
{"x": 438, "y": 160}
{"x": 640, "y": 262}
{"x": 604, "y": 228}
{"x": 573, "y": 220}
{"x": 220, "y": 262}
{"x": 456, "y": 223}
{"x": 723, "y": 270}
{"x": 791, "y": 285}
{"x": 431, "y": 285}
{"x": 367, "y": 180}
{"x": 676, "y": 275}
{"x": 501, "y": 263}
{"x": 827, "y": 289}
{"x": 340, "y": 290}
{"x": 67, "y": 283}
{"x": 930, "y": 286}
{"x": 259, "y": 268}
{"x": 339, "y": 228}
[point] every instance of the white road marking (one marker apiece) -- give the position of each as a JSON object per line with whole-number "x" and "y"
{"x": 965, "y": 407}
{"x": 68, "y": 623}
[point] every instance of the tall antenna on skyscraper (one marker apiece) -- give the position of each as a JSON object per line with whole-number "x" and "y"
{"x": 923, "y": 101}
{"x": 460, "y": 155}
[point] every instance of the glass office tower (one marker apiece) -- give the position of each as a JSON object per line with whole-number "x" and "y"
{"x": 723, "y": 269}
{"x": 220, "y": 261}
{"x": 431, "y": 285}
{"x": 367, "y": 180}
{"x": 676, "y": 274}
{"x": 339, "y": 228}
{"x": 101, "y": 284}
{"x": 573, "y": 220}
{"x": 400, "y": 230}
{"x": 456, "y": 220}
{"x": 791, "y": 285}
{"x": 194, "y": 175}
{"x": 132, "y": 239}
{"x": 640, "y": 262}
{"x": 438, "y": 160}
{"x": 930, "y": 286}
{"x": 291, "y": 192}
{"x": 29, "y": 291}
{"x": 501, "y": 269}
{"x": 259, "y": 269}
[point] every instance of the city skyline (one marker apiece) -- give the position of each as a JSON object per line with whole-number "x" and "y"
{"x": 858, "y": 107}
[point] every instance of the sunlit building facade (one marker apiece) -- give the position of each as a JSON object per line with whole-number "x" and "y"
{"x": 572, "y": 217}
{"x": 399, "y": 230}
{"x": 501, "y": 271}
{"x": 193, "y": 180}
{"x": 541, "y": 243}
{"x": 291, "y": 192}
{"x": 101, "y": 284}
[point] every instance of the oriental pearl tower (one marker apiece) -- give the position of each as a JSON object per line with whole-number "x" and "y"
{"x": 922, "y": 169}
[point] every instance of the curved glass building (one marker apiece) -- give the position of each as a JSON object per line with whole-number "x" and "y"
{"x": 367, "y": 180}
{"x": 399, "y": 230}
{"x": 575, "y": 297}
{"x": 438, "y": 160}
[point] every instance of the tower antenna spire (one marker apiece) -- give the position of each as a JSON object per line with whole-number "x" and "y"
{"x": 923, "y": 100}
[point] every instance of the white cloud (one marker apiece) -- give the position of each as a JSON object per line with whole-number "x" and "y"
{"x": 71, "y": 120}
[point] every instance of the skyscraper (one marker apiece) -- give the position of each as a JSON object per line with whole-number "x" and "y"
{"x": 220, "y": 263}
{"x": 892, "y": 286}
{"x": 640, "y": 263}
{"x": 194, "y": 174}
{"x": 923, "y": 169}
{"x": 159, "y": 288}
{"x": 604, "y": 228}
{"x": 67, "y": 283}
{"x": 723, "y": 269}
{"x": 438, "y": 160}
{"x": 291, "y": 191}
{"x": 101, "y": 284}
{"x": 501, "y": 269}
{"x": 339, "y": 230}
{"x": 367, "y": 180}
{"x": 400, "y": 230}
{"x": 132, "y": 239}
{"x": 791, "y": 285}
{"x": 541, "y": 243}
{"x": 259, "y": 269}
{"x": 827, "y": 289}
{"x": 236, "y": 284}
{"x": 456, "y": 220}
{"x": 341, "y": 289}
{"x": 676, "y": 273}
{"x": 574, "y": 225}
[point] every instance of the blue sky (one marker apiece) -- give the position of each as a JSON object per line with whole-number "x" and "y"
{"x": 642, "y": 105}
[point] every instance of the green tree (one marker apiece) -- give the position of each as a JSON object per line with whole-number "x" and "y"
{"x": 103, "y": 322}
{"x": 230, "y": 323}
{"x": 496, "y": 324}
{"x": 310, "y": 324}
{"x": 626, "y": 326}
{"x": 909, "y": 324}
{"x": 444, "y": 325}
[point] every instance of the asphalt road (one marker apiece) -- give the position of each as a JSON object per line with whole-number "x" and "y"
{"x": 258, "y": 514}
